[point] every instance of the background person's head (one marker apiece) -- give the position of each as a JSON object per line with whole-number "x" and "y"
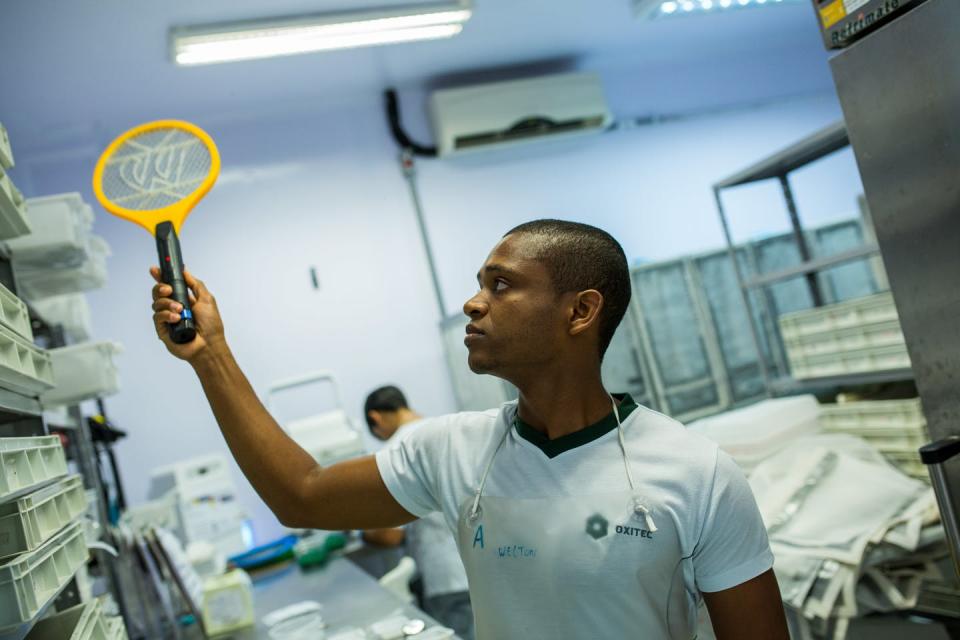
{"x": 551, "y": 291}
{"x": 386, "y": 410}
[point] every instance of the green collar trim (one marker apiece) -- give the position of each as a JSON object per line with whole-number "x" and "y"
{"x": 553, "y": 448}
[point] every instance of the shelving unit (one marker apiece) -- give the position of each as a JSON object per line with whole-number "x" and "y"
{"x": 42, "y": 537}
{"x": 778, "y": 167}
{"x": 876, "y": 337}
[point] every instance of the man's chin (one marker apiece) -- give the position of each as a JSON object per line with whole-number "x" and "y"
{"x": 478, "y": 364}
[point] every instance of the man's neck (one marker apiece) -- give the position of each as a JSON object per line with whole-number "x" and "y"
{"x": 564, "y": 403}
{"x": 406, "y": 416}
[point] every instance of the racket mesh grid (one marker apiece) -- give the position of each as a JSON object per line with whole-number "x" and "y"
{"x": 155, "y": 169}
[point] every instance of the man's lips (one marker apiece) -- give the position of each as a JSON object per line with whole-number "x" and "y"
{"x": 473, "y": 334}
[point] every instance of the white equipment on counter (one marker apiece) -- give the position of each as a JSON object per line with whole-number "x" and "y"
{"x": 203, "y": 496}
{"x": 328, "y": 437}
{"x": 224, "y": 602}
{"x": 227, "y": 603}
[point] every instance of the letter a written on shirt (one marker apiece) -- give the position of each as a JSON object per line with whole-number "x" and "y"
{"x": 478, "y": 537}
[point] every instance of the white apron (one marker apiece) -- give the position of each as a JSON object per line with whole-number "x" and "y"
{"x": 577, "y": 567}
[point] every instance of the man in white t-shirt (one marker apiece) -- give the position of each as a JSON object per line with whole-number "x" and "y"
{"x": 429, "y": 541}
{"x": 577, "y": 514}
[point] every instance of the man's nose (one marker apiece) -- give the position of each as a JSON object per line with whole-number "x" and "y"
{"x": 475, "y": 307}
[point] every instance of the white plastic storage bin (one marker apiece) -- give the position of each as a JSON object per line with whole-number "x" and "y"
{"x": 30, "y": 580}
{"x": 29, "y": 462}
{"x": 36, "y": 283}
{"x": 754, "y": 433}
{"x": 6, "y": 151}
{"x": 71, "y": 311}
{"x": 851, "y": 313}
{"x": 83, "y": 372}
{"x": 891, "y": 426}
{"x": 883, "y": 334}
{"x": 61, "y": 225}
{"x": 844, "y": 363}
{"x": 24, "y": 367}
{"x": 27, "y": 523}
{"x": 13, "y": 210}
{"x": 856, "y": 336}
{"x": 82, "y": 622}
{"x": 873, "y": 414}
{"x": 14, "y": 314}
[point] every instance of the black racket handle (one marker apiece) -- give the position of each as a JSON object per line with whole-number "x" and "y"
{"x": 171, "y": 273}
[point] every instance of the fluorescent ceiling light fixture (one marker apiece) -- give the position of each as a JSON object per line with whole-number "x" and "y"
{"x": 306, "y": 34}
{"x": 653, "y": 9}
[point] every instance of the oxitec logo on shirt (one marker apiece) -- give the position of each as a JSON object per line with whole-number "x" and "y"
{"x": 598, "y": 527}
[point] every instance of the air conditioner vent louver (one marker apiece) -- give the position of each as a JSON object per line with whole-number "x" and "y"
{"x": 516, "y": 112}
{"x": 532, "y": 128}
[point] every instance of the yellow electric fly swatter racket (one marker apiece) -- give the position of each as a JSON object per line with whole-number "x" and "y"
{"x": 154, "y": 175}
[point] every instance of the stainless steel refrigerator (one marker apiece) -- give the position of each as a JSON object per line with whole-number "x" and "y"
{"x": 899, "y": 87}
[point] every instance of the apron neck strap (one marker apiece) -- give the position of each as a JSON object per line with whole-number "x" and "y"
{"x": 638, "y": 505}
{"x": 475, "y": 509}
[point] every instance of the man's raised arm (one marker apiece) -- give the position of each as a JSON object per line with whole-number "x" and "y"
{"x": 301, "y": 493}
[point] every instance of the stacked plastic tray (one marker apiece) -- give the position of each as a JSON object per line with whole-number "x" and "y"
{"x": 42, "y": 542}
{"x": 29, "y": 463}
{"x": 13, "y": 210}
{"x": 897, "y": 428}
{"x": 856, "y": 336}
{"x": 31, "y": 580}
{"x": 24, "y": 367}
{"x": 41, "y": 536}
{"x": 82, "y": 622}
{"x": 28, "y": 522}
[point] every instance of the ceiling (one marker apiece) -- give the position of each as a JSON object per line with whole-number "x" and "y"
{"x": 67, "y": 66}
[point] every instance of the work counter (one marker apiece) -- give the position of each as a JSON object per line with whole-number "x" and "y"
{"x": 350, "y": 597}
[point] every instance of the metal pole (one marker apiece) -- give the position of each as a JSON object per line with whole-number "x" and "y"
{"x": 410, "y": 174}
{"x": 754, "y": 333}
{"x": 767, "y": 315}
{"x": 948, "y": 515}
{"x": 801, "y": 240}
{"x": 87, "y": 457}
{"x": 708, "y": 330}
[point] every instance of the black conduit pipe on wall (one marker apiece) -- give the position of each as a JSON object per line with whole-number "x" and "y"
{"x": 396, "y": 128}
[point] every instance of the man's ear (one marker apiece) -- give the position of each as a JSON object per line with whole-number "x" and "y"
{"x": 585, "y": 312}
{"x": 376, "y": 418}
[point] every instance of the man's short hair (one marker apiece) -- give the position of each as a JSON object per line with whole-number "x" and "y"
{"x": 387, "y": 398}
{"x": 580, "y": 257}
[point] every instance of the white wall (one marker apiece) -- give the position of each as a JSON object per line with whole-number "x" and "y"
{"x": 324, "y": 190}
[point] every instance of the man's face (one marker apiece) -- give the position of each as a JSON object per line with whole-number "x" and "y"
{"x": 517, "y": 319}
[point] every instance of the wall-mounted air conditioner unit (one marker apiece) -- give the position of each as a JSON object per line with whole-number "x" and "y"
{"x": 519, "y": 111}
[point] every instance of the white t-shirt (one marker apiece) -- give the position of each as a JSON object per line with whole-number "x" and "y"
{"x": 432, "y": 545}
{"x": 695, "y": 491}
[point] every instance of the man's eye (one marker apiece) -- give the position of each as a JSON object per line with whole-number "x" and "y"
{"x": 499, "y": 285}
